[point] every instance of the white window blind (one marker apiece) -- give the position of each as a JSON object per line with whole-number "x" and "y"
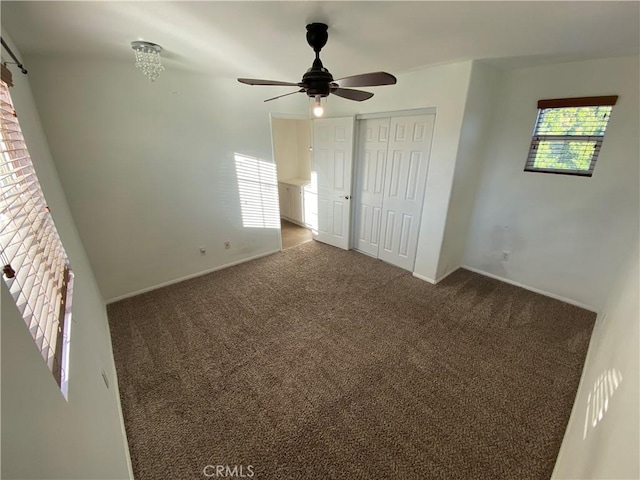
{"x": 35, "y": 265}
{"x": 568, "y": 135}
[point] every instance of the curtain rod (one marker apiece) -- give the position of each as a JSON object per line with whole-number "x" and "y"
{"x": 20, "y": 66}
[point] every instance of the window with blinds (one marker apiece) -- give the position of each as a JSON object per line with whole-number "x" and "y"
{"x": 35, "y": 265}
{"x": 568, "y": 135}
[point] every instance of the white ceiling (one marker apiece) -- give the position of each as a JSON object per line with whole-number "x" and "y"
{"x": 267, "y": 39}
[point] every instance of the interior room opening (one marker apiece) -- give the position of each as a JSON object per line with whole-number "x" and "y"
{"x": 297, "y": 198}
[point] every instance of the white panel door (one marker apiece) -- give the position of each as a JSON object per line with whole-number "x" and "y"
{"x": 405, "y": 182}
{"x": 373, "y": 140}
{"x": 332, "y": 161}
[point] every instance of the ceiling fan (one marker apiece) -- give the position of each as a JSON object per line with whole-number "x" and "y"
{"x": 318, "y": 82}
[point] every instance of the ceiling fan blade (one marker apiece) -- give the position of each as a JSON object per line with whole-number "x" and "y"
{"x": 372, "y": 79}
{"x": 255, "y": 81}
{"x": 280, "y": 96}
{"x": 357, "y": 95}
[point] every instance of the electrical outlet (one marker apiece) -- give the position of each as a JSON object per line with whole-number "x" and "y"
{"x": 227, "y": 245}
{"x": 505, "y": 256}
{"x": 203, "y": 250}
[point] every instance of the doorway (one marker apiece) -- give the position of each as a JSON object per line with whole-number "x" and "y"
{"x": 291, "y": 139}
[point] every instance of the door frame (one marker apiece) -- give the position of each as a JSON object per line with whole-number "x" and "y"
{"x": 356, "y": 155}
{"x": 398, "y": 113}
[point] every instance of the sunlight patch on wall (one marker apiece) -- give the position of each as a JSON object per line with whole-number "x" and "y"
{"x": 598, "y": 400}
{"x": 258, "y": 190}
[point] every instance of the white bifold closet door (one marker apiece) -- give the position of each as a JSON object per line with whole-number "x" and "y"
{"x": 373, "y": 142}
{"x": 391, "y": 175}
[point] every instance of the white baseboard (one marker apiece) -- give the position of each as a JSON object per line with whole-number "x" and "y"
{"x": 437, "y": 280}
{"x": 426, "y": 279}
{"x": 295, "y": 222}
{"x": 442, "y": 277}
{"x": 188, "y": 277}
{"x": 532, "y": 289}
{"x": 576, "y": 411}
{"x": 125, "y": 440}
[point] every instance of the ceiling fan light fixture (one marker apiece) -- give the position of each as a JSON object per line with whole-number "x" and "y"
{"x": 148, "y": 58}
{"x": 318, "y": 111}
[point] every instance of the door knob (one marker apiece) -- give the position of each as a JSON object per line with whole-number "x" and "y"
{"x": 346, "y": 197}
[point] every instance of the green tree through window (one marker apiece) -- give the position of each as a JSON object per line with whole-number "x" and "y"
{"x": 568, "y": 135}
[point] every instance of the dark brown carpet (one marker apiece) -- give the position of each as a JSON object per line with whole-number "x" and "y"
{"x": 317, "y": 363}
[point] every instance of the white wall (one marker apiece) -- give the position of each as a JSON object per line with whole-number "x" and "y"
{"x": 610, "y": 449}
{"x": 475, "y": 125}
{"x": 43, "y": 435}
{"x": 285, "y": 147}
{"x": 291, "y": 148}
{"x": 444, "y": 88}
{"x": 148, "y": 168}
{"x": 567, "y": 235}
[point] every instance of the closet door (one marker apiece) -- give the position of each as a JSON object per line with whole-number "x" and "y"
{"x": 373, "y": 138}
{"x": 405, "y": 180}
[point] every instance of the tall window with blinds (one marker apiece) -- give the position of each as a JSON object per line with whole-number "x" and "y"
{"x": 35, "y": 265}
{"x": 568, "y": 135}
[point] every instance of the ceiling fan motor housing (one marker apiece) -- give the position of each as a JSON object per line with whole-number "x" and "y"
{"x": 317, "y": 80}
